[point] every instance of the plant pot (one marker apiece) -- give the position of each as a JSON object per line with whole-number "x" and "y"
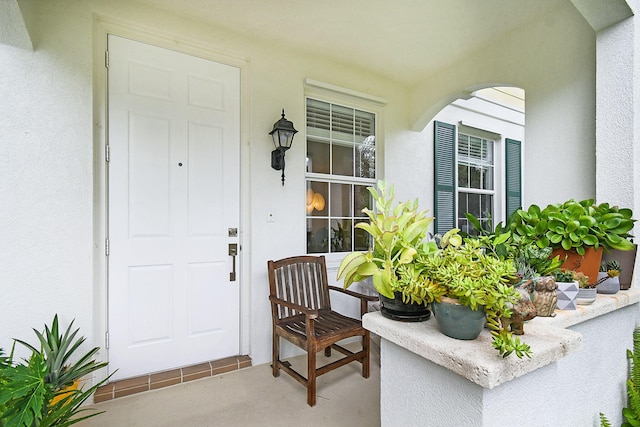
{"x": 589, "y": 263}
{"x": 627, "y": 260}
{"x": 609, "y": 285}
{"x": 586, "y": 296}
{"x": 567, "y": 295}
{"x": 396, "y": 309}
{"x": 458, "y": 321}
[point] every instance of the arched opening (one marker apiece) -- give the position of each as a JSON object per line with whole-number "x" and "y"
{"x": 478, "y": 158}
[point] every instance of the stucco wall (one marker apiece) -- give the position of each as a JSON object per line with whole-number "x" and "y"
{"x": 49, "y": 186}
{"x": 553, "y": 60}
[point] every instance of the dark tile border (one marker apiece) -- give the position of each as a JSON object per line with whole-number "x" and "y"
{"x": 158, "y": 380}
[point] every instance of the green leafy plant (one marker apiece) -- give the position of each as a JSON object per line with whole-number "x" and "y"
{"x": 574, "y": 225}
{"x": 631, "y": 413}
{"x": 398, "y": 233}
{"x": 28, "y": 388}
{"x": 563, "y": 276}
{"x": 582, "y": 279}
{"x": 611, "y": 267}
{"x": 531, "y": 260}
{"x": 463, "y": 270}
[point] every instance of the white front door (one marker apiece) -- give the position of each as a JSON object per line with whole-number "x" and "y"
{"x": 173, "y": 189}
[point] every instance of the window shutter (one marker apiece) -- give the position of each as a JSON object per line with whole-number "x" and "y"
{"x": 445, "y": 189}
{"x": 513, "y": 154}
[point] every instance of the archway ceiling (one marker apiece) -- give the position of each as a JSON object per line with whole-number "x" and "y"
{"x": 403, "y": 40}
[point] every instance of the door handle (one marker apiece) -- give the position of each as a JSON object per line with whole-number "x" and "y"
{"x": 233, "y": 252}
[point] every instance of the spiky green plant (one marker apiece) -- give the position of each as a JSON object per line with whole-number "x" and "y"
{"x": 58, "y": 349}
{"x": 27, "y": 388}
{"x": 631, "y": 413}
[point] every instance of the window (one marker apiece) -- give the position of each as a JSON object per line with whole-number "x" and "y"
{"x": 341, "y": 164}
{"x": 466, "y": 171}
{"x": 476, "y": 190}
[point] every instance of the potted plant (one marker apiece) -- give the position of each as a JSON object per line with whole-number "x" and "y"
{"x": 43, "y": 390}
{"x": 567, "y": 289}
{"x": 474, "y": 280}
{"x": 627, "y": 260}
{"x": 587, "y": 292}
{"x": 609, "y": 277}
{"x": 398, "y": 237}
{"x": 577, "y": 231}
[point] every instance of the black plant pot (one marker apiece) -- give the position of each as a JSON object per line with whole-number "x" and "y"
{"x": 396, "y": 309}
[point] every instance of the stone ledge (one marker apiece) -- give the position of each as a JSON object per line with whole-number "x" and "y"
{"x": 478, "y": 361}
{"x": 602, "y": 305}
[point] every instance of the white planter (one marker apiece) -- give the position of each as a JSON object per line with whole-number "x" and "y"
{"x": 611, "y": 285}
{"x": 567, "y": 295}
{"x": 586, "y": 296}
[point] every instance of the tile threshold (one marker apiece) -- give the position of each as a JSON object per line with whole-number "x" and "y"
{"x": 129, "y": 386}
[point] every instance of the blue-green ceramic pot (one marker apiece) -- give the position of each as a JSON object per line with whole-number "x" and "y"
{"x": 458, "y": 321}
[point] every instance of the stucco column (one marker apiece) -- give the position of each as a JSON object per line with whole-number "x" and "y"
{"x": 617, "y": 104}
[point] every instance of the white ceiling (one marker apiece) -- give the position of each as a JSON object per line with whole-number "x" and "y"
{"x": 404, "y": 40}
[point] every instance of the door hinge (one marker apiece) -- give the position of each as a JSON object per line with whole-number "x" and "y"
{"x": 106, "y": 59}
{"x": 107, "y": 151}
{"x": 106, "y": 247}
{"x": 106, "y": 340}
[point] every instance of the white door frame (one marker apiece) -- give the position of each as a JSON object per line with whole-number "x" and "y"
{"x": 101, "y": 28}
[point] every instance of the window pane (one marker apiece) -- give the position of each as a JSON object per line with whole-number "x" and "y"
{"x": 487, "y": 183}
{"x": 317, "y": 157}
{"x": 342, "y": 123}
{"x": 475, "y": 177}
{"x": 361, "y": 200}
{"x": 462, "y": 210}
{"x": 342, "y": 160}
{"x": 463, "y": 175}
{"x": 316, "y": 198}
{"x": 486, "y": 206}
{"x": 317, "y": 236}
{"x": 340, "y": 200}
{"x": 318, "y": 118}
{"x": 362, "y": 239}
{"x": 366, "y": 158}
{"x": 341, "y": 235}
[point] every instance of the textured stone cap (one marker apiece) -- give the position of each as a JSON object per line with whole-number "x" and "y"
{"x": 478, "y": 361}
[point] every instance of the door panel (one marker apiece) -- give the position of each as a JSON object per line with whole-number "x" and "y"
{"x": 173, "y": 191}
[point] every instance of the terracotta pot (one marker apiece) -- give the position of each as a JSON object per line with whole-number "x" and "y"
{"x": 589, "y": 263}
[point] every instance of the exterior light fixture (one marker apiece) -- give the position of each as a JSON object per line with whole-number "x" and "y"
{"x": 282, "y": 134}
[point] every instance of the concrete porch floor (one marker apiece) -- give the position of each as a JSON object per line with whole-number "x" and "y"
{"x": 253, "y": 397}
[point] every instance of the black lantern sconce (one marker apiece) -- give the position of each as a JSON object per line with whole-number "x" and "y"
{"x": 282, "y": 134}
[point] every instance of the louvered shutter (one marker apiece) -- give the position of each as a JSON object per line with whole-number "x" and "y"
{"x": 445, "y": 189}
{"x": 513, "y": 154}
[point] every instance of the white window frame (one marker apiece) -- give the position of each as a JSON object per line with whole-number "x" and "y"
{"x": 351, "y": 99}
